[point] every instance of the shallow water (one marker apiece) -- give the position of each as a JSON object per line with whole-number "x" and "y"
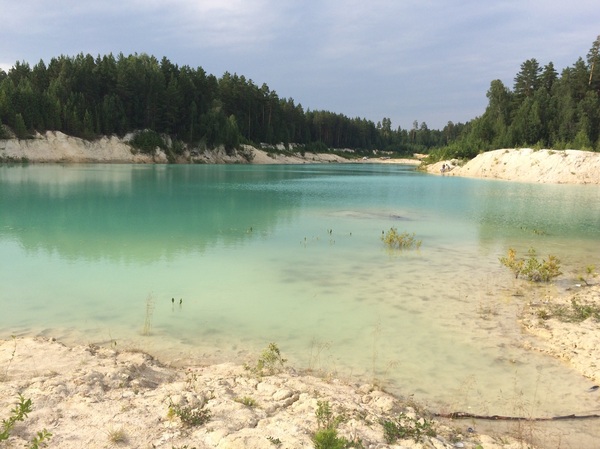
{"x": 292, "y": 255}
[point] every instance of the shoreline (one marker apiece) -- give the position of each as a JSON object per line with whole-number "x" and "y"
{"x": 527, "y": 165}
{"x": 90, "y": 396}
{"x": 518, "y": 165}
{"x": 86, "y": 395}
{"x": 56, "y": 147}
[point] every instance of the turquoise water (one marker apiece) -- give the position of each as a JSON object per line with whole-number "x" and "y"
{"x": 292, "y": 255}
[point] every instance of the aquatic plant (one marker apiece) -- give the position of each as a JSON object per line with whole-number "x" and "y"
{"x": 395, "y": 240}
{"x": 149, "y": 312}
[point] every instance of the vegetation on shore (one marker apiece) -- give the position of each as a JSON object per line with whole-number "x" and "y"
{"x": 530, "y": 267}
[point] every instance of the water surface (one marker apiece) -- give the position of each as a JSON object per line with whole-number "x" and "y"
{"x": 292, "y": 255}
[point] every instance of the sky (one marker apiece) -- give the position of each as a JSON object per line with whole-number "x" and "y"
{"x": 426, "y": 60}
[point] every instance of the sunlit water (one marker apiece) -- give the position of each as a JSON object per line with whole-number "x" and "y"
{"x": 292, "y": 255}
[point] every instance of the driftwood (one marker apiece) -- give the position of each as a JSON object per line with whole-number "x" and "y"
{"x": 464, "y": 415}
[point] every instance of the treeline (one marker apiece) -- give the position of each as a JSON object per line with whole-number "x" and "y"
{"x": 542, "y": 110}
{"x": 87, "y": 97}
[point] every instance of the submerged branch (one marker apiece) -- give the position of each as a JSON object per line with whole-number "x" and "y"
{"x": 464, "y": 415}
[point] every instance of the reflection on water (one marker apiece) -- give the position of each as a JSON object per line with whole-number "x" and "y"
{"x": 292, "y": 254}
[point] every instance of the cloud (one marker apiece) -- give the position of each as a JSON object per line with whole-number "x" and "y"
{"x": 429, "y": 60}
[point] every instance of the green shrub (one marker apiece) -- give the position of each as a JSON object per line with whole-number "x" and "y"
{"x": 394, "y": 240}
{"x": 147, "y": 141}
{"x": 589, "y": 272}
{"x": 405, "y": 427}
{"x": 575, "y": 313}
{"x": 269, "y": 362}
{"x": 326, "y": 436}
{"x": 19, "y": 413}
{"x": 247, "y": 401}
{"x": 530, "y": 267}
{"x": 190, "y": 416}
{"x": 329, "y": 439}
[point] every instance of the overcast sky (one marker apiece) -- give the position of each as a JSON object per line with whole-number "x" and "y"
{"x": 425, "y": 60}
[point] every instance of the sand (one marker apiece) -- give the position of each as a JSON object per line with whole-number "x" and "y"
{"x": 94, "y": 397}
{"x": 528, "y": 165}
{"x": 56, "y": 147}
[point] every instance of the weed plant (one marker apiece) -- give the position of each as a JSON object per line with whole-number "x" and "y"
{"x": 406, "y": 427}
{"x": 40, "y": 440}
{"x": 275, "y": 441}
{"x": 270, "y": 362}
{"x": 149, "y": 312}
{"x": 575, "y": 313}
{"x": 395, "y": 240}
{"x": 12, "y": 356}
{"x": 19, "y": 413}
{"x": 117, "y": 436}
{"x": 189, "y": 416}
{"x": 530, "y": 267}
{"x": 589, "y": 273}
{"x": 326, "y": 436}
{"x": 247, "y": 401}
{"x": 329, "y": 439}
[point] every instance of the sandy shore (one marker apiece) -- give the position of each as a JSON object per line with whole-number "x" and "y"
{"x": 527, "y": 165}
{"x": 95, "y": 397}
{"x": 56, "y": 147}
{"x": 575, "y": 342}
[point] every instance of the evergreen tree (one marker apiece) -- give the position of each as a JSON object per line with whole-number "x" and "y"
{"x": 527, "y": 80}
{"x": 20, "y": 128}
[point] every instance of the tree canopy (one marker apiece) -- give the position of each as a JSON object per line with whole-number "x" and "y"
{"x": 543, "y": 110}
{"x": 87, "y": 97}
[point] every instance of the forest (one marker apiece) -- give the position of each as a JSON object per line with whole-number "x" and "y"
{"x": 88, "y": 97}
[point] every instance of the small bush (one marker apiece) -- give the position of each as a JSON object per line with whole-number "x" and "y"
{"x": 117, "y": 436}
{"x": 329, "y": 439}
{"x": 326, "y": 436}
{"x": 325, "y": 417}
{"x": 190, "y": 416}
{"x": 147, "y": 141}
{"x": 247, "y": 401}
{"x": 19, "y": 413}
{"x": 406, "y": 427}
{"x": 530, "y": 267}
{"x": 589, "y": 273}
{"x": 275, "y": 441}
{"x": 575, "y": 313}
{"x": 269, "y": 362}
{"x": 394, "y": 240}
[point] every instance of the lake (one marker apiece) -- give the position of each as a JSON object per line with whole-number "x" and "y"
{"x": 211, "y": 263}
